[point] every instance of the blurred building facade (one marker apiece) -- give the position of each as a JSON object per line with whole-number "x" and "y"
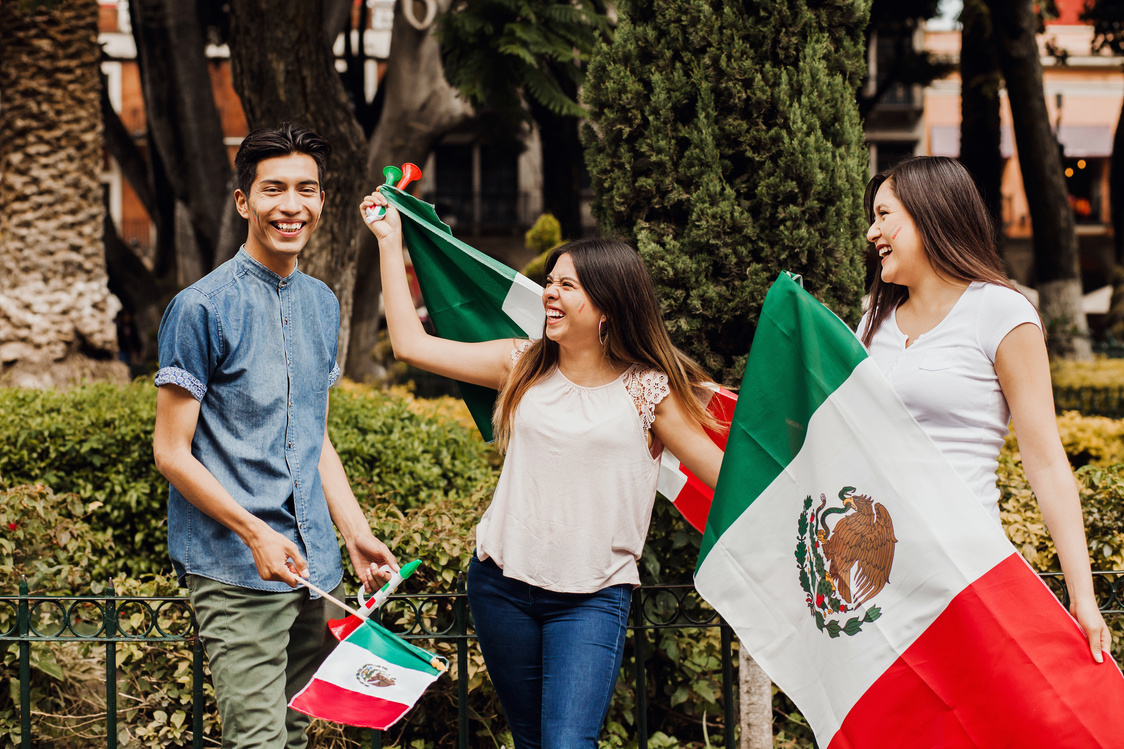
{"x": 489, "y": 188}
{"x": 1083, "y": 95}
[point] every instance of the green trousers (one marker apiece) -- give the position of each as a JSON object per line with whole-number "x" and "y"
{"x": 262, "y": 649}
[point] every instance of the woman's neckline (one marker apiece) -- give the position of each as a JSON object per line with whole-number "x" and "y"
{"x": 951, "y": 310}
{"x": 616, "y": 379}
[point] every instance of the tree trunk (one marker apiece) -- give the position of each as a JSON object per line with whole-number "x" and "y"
{"x": 755, "y": 693}
{"x": 1056, "y": 254}
{"x": 1115, "y": 321}
{"x": 301, "y": 86}
{"x": 54, "y": 299}
{"x": 1116, "y": 188}
{"x": 419, "y": 108}
{"x": 979, "y": 107}
{"x": 185, "y": 130}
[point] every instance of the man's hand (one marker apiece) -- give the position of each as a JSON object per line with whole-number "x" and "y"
{"x": 367, "y": 555}
{"x": 276, "y": 557}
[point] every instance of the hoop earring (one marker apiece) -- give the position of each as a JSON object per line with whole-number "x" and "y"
{"x": 600, "y": 337}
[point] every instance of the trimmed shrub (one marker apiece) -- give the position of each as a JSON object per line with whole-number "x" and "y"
{"x": 724, "y": 142}
{"x": 96, "y": 441}
{"x": 1100, "y": 372}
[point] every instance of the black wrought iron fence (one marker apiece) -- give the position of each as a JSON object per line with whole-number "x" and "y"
{"x": 112, "y": 620}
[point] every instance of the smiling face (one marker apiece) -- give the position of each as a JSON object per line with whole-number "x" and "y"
{"x": 571, "y": 317}
{"x": 895, "y": 237}
{"x": 283, "y": 208}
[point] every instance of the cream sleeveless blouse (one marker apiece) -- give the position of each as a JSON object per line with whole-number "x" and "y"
{"x": 571, "y": 510}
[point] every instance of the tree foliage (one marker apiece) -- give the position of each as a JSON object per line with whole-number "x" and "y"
{"x": 725, "y": 143}
{"x": 525, "y": 60}
{"x": 496, "y": 52}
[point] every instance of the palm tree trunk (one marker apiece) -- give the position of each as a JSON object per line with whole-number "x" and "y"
{"x": 755, "y": 692}
{"x": 419, "y": 108}
{"x": 54, "y": 298}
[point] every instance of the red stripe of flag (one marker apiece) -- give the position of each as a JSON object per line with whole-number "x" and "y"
{"x": 347, "y": 707}
{"x": 1003, "y": 666}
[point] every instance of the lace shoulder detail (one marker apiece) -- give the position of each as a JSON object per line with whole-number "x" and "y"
{"x": 521, "y": 345}
{"x": 647, "y": 387}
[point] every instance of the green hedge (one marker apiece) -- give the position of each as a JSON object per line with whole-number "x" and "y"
{"x": 96, "y": 441}
{"x": 423, "y": 478}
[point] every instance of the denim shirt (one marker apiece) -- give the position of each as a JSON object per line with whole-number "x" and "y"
{"x": 258, "y": 352}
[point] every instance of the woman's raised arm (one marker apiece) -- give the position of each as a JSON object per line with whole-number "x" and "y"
{"x": 484, "y": 363}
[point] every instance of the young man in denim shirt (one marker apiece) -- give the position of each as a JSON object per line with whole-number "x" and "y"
{"x": 247, "y": 355}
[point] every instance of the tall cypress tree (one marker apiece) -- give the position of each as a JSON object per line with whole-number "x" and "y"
{"x": 724, "y": 141}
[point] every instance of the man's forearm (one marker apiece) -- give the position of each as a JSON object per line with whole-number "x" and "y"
{"x": 344, "y": 508}
{"x": 199, "y": 486}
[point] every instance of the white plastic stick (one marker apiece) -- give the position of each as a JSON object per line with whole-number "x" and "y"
{"x": 332, "y": 598}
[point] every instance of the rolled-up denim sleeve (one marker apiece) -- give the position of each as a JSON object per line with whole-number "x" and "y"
{"x": 189, "y": 343}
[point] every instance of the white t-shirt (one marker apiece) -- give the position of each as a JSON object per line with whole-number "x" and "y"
{"x": 574, "y": 499}
{"x": 947, "y": 379}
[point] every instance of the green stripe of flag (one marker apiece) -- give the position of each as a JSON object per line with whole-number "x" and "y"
{"x": 466, "y": 292}
{"x": 783, "y": 385}
{"x": 377, "y": 639}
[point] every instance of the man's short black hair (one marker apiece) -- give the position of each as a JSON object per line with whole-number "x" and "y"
{"x": 271, "y": 142}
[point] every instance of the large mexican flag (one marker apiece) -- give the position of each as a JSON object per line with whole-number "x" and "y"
{"x": 470, "y": 297}
{"x": 862, "y": 575}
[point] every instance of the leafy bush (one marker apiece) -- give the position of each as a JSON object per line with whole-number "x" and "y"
{"x": 395, "y": 449}
{"x": 46, "y": 538}
{"x": 544, "y": 236}
{"x": 1100, "y": 372}
{"x": 96, "y": 441}
{"x": 424, "y": 478}
{"x": 1102, "y": 500}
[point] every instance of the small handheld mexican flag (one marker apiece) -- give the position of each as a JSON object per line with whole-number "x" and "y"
{"x": 863, "y": 575}
{"x": 471, "y": 298}
{"x": 370, "y": 680}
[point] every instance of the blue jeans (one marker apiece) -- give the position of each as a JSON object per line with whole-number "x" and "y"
{"x": 553, "y": 657}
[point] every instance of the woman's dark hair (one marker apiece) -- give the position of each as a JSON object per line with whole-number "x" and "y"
{"x": 957, "y": 232}
{"x": 614, "y": 277}
{"x": 270, "y": 142}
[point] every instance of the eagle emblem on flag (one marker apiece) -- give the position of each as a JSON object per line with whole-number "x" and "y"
{"x": 845, "y": 565}
{"x": 374, "y": 675}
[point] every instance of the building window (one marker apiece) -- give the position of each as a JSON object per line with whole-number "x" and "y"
{"x": 476, "y": 185}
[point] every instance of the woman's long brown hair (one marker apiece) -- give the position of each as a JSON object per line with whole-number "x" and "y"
{"x": 614, "y": 277}
{"x": 956, "y": 230}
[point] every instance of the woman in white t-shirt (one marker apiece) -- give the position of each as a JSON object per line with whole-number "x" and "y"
{"x": 966, "y": 351}
{"x": 582, "y": 418}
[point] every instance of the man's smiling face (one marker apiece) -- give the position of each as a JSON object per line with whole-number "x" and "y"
{"x": 283, "y": 208}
